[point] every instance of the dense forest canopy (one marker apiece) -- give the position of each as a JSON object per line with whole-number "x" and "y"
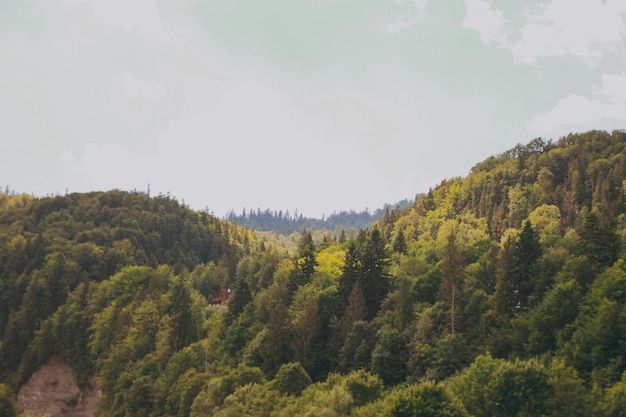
{"x": 497, "y": 294}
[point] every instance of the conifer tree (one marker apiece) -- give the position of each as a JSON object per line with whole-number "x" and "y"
{"x": 349, "y": 276}
{"x": 504, "y": 300}
{"x": 374, "y": 280}
{"x": 240, "y": 298}
{"x": 451, "y": 287}
{"x": 399, "y": 244}
{"x": 305, "y": 262}
{"x": 599, "y": 241}
{"x": 528, "y": 254}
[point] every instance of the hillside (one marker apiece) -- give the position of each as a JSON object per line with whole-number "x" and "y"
{"x": 496, "y": 294}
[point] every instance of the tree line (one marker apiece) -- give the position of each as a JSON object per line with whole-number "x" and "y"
{"x": 497, "y": 294}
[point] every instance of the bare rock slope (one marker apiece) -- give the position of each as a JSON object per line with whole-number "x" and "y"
{"x": 53, "y": 391}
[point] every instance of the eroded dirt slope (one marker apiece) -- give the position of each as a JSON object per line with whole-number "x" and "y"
{"x": 53, "y": 391}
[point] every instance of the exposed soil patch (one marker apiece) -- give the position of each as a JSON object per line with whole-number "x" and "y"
{"x": 53, "y": 391}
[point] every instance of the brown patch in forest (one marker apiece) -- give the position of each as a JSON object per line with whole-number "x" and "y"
{"x": 52, "y": 391}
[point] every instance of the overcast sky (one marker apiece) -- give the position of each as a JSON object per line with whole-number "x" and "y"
{"x": 315, "y": 105}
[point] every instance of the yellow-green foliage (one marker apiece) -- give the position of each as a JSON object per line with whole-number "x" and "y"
{"x": 500, "y": 293}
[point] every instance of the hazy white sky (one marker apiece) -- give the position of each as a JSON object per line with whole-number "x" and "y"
{"x": 318, "y": 105}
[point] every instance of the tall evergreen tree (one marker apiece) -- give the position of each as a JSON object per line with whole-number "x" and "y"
{"x": 518, "y": 273}
{"x": 599, "y": 241}
{"x": 399, "y": 244}
{"x": 374, "y": 277}
{"x": 452, "y": 283}
{"x": 240, "y": 298}
{"x": 528, "y": 253}
{"x": 504, "y": 300}
{"x": 305, "y": 262}
{"x": 349, "y": 275}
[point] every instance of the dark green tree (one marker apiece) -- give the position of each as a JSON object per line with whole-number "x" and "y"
{"x": 374, "y": 276}
{"x": 278, "y": 340}
{"x": 390, "y": 355}
{"x": 527, "y": 279}
{"x": 305, "y": 262}
{"x": 425, "y": 400}
{"x": 350, "y": 274}
{"x": 504, "y": 300}
{"x": 451, "y": 289}
{"x": 399, "y": 244}
{"x": 291, "y": 379}
{"x": 240, "y": 298}
{"x": 599, "y": 242}
{"x": 180, "y": 310}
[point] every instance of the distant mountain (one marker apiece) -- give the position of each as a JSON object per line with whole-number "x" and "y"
{"x": 286, "y": 223}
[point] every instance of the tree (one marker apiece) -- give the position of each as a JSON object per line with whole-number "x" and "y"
{"x": 184, "y": 331}
{"x": 240, "y": 298}
{"x": 7, "y": 402}
{"x": 374, "y": 277}
{"x": 305, "y": 262}
{"x": 599, "y": 241}
{"x": 426, "y": 399}
{"x": 390, "y": 355}
{"x": 494, "y": 387}
{"x": 518, "y": 273}
{"x": 451, "y": 289}
{"x": 399, "y": 244}
{"x": 350, "y": 274}
{"x": 504, "y": 300}
{"x": 528, "y": 253}
{"x": 278, "y": 340}
{"x": 306, "y": 326}
{"x": 291, "y": 379}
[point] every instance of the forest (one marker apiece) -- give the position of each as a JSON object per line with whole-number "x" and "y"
{"x": 286, "y": 223}
{"x": 501, "y": 293}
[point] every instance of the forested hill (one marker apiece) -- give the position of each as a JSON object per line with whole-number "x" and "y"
{"x": 287, "y": 223}
{"x": 49, "y": 247}
{"x": 501, "y": 293}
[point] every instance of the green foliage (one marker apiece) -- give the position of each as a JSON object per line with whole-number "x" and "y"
{"x": 425, "y": 400}
{"x": 522, "y": 258}
{"x": 7, "y": 402}
{"x": 291, "y": 379}
{"x": 364, "y": 387}
{"x": 494, "y": 387}
{"x": 389, "y": 356}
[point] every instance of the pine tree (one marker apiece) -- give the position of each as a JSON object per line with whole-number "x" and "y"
{"x": 350, "y": 274}
{"x": 527, "y": 257}
{"x": 374, "y": 280}
{"x": 451, "y": 287}
{"x": 240, "y": 298}
{"x": 399, "y": 244}
{"x": 504, "y": 300}
{"x": 599, "y": 241}
{"x": 305, "y": 262}
{"x": 306, "y": 256}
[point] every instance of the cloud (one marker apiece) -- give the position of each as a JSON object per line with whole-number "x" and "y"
{"x": 140, "y": 16}
{"x": 485, "y": 19}
{"x": 585, "y": 29}
{"x": 412, "y": 12}
{"x": 590, "y": 30}
{"x": 606, "y": 108}
{"x": 136, "y": 87}
{"x": 614, "y": 87}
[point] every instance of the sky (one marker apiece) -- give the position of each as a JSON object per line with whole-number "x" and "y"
{"x": 314, "y": 105}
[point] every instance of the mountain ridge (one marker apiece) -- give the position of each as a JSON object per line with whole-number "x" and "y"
{"x": 497, "y": 293}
